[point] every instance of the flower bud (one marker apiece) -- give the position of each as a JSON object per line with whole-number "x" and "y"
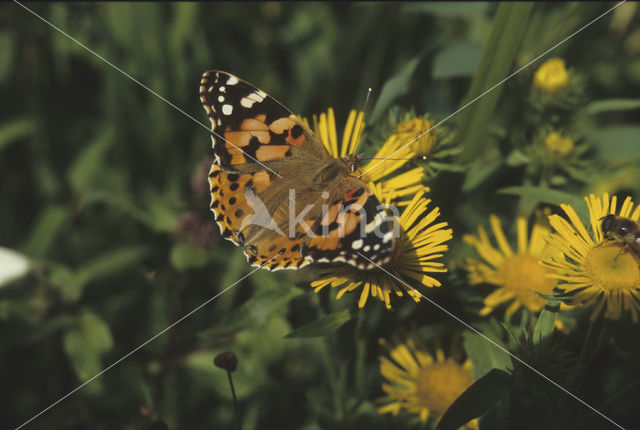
{"x": 558, "y": 144}
{"x": 551, "y": 76}
{"x": 226, "y": 360}
{"x": 416, "y": 129}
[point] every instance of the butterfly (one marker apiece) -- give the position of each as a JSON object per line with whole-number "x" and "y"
{"x": 277, "y": 191}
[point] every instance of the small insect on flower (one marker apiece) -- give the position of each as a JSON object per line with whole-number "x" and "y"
{"x": 622, "y": 230}
{"x": 593, "y": 269}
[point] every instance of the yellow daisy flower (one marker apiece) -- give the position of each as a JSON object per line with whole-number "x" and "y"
{"x": 593, "y": 270}
{"x": 515, "y": 273}
{"x": 551, "y": 76}
{"x": 421, "y": 240}
{"x": 421, "y": 243}
{"x": 421, "y": 384}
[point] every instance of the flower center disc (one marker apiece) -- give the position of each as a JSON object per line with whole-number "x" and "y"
{"x": 440, "y": 384}
{"x": 612, "y": 268}
{"x": 522, "y": 273}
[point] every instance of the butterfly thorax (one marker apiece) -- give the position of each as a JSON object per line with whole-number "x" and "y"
{"x": 336, "y": 169}
{"x": 352, "y": 162}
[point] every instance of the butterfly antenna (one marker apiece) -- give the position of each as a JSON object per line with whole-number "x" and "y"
{"x": 417, "y": 157}
{"x": 364, "y": 108}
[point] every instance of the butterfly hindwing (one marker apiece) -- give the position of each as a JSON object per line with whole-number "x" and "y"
{"x": 355, "y": 229}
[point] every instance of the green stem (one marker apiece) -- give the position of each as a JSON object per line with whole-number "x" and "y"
{"x": 593, "y": 338}
{"x": 603, "y": 407}
{"x": 622, "y": 392}
{"x": 498, "y": 57}
{"x": 360, "y": 344}
{"x": 235, "y": 401}
{"x": 335, "y": 383}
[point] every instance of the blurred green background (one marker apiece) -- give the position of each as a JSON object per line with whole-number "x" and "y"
{"x": 104, "y": 191}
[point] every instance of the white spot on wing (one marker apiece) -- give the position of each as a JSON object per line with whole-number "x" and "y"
{"x": 227, "y": 109}
{"x": 232, "y": 80}
{"x": 357, "y": 244}
{"x": 246, "y": 102}
{"x": 220, "y": 99}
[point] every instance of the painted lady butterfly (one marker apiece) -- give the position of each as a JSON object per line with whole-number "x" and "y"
{"x": 267, "y": 162}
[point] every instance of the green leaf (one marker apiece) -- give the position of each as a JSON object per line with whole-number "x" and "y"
{"x": 517, "y": 158}
{"x": 13, "y": 265}
{"x": 186, "y": 255}
{"x": 7, "y": 44}
{"x": 456, "y": 59}
{"x": 85, "y": 171}
{"x": 122, "y": 203}
{"x": 162, "y": 215}
{"x": 550, "y": 196}
{"x": 255, "y": 311}
{"x": 546, "y": 321}
{"x": 15, "y": 129}
{"x": 112, "y": 262}
{"x": 600, "y": 106}
{"x": 395, "y": 87}
{"x": 46, "y": 230}
{"x": 484, "y": 355}
{"x": 616, "y": 143}
{"x": 478, "y": 173}
{"x": 323, "y": 326}
{"x": 72, "y": 283}
{"x": 476, "y": 400}
{"x": 509, "y": 26}
{"x": 85, "y": 344}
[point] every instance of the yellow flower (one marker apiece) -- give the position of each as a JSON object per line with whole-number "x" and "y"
{"x": 594, "y": 271}
{"x": 421, "y": 243}
{"x": 515, "y": 273}
{"x": 421, "y": 240}
{"x": 557, "y": 144}
{"x": 386, "y": 187}
{"x": 551, "y": 76}
{"x": 421, "y": 384}
{"x": 420, "y": 128}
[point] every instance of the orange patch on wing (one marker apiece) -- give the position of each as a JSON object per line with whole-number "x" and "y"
{"x": 349, "y": 194}
{"x": 261, "y": 180}
{"x": 331, "y": 214}
{"x": 237, "y": 156}
{"x": 350, "y": 222}
{"x": 254, "y": 125}
{"x": 331, "y": 241}
{"x": 271, "y": 152}
{"x": 243, "y": 138}
{"x": 298, "y": 141}
{"x": 359, "y": 204}
{"x": 280, "y": 125}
